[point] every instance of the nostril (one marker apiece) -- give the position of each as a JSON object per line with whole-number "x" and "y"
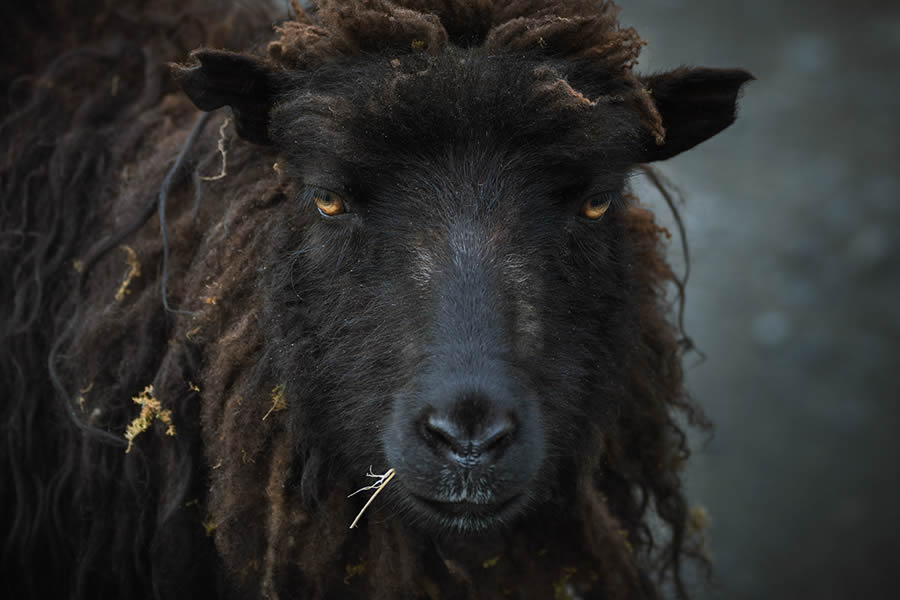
{"x": 497, "y": 436}
{"x": 488, "y": 440}
{"x": 442, "y": 433}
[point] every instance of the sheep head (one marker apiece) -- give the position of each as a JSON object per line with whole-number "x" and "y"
{"x": 460, "y": 286}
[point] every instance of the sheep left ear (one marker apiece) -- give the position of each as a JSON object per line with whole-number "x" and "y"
{"x": 248, "y": 84}
{"x": 695, "y": 104}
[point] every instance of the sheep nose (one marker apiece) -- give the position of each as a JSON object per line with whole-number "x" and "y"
{"x": 469, "y": 444}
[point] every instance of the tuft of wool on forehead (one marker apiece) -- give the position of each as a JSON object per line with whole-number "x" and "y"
{"x": 574, "y": 29}
{"x": 577, "y": 29}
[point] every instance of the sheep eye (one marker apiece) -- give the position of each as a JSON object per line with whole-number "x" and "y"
{"x": 329, "y": 203}
{"x": 595, "y": 207}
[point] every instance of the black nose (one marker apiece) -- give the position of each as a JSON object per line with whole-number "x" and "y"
{"x": 468, "y": 439}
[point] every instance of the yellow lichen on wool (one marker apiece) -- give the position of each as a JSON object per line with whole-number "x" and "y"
{"x": 354, "y": 571}
{"x": 150, "y": 409}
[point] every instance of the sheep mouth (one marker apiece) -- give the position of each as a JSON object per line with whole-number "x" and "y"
{"x": 469, "y": 516}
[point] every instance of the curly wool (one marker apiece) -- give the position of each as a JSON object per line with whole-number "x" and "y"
{"x": 577, "y": 29}
{"x": 233, "y": 464}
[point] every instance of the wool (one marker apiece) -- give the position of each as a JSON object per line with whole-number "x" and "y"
{"x": 274, "y": 341}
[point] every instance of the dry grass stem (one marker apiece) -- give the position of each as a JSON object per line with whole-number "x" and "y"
{"x": 379, "y": 485}
{"x": 279, "y": 402}
{"x": 134, "y": 270}
{"x": 220, "y": 146}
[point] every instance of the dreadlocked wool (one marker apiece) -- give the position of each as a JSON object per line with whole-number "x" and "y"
{"x": 189, "y": 421}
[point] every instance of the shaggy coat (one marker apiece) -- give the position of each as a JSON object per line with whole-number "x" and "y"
{"x": 408, "y": 242}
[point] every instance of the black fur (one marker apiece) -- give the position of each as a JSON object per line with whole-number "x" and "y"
{"x": 461, "y": 320}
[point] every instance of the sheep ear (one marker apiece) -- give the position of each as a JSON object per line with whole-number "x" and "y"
{"x": 695, "y": 104}
{"x": 245, "y": 83}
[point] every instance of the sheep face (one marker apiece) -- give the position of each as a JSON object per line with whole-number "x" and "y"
{"x": 456, "y": 299}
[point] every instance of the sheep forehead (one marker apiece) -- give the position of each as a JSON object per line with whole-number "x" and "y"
{"x": 428, "y": 101}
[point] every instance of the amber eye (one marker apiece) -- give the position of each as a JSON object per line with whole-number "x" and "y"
{"x": 329, "y": 203}
{"x": 595, "y": 207}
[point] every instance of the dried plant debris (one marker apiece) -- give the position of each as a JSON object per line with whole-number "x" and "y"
{"x": 134, "y": 270}
{"x": 279, "y": 402}
{"x": 626, "y": 540}
{"x": 379, "y": 485}
{"x": 698, "y": 519}
{"x": 223, "y": 152}
{"x": 354, "y": 571}
{"x": 81, "y": 400}
{"x": 209, "y": 526}
{"x": 150, "y": 409}
{"x": 698, "y": 524}
{"x": 562, "y": 589}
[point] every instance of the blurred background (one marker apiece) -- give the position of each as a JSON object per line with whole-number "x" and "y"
{"x": 793, "y": 217}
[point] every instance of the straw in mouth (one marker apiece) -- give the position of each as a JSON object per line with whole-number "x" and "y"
{"x": 382, "y": 481}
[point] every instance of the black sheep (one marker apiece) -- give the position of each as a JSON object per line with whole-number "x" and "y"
{"x": 409, "y": 244}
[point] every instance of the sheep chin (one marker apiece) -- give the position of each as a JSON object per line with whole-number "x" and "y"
{"x": 464, "y": 518}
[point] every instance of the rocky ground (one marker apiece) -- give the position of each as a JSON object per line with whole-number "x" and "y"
{"x": 793, "y": 217}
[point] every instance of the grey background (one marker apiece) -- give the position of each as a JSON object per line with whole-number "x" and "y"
{"x": 793, "y": 217}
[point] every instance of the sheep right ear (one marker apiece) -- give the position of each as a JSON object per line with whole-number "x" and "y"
{"x": 245, "y": 83}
